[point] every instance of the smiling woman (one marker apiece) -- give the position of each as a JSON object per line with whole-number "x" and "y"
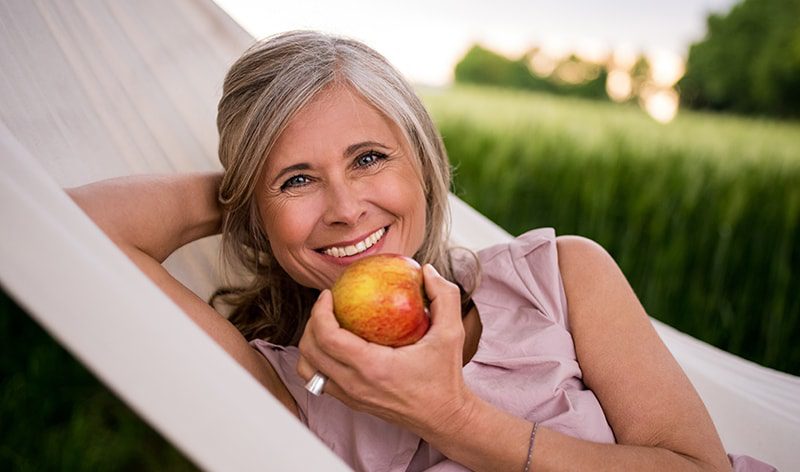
{"x": 330, "y": 157}
{"x": 344, "y": 133}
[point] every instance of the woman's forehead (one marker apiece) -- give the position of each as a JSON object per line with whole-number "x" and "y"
{"x": 331, "y": 122}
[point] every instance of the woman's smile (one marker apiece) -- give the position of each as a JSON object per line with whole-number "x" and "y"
{"x": 353, "y": 248}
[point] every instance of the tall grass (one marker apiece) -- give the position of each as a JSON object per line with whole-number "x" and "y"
{"x": 702, "y": 214}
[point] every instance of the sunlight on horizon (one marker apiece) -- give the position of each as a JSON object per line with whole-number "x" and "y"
{"x": 425, "y": 40}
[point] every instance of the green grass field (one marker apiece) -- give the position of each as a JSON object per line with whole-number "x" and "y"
{"x": 701, "y": 214}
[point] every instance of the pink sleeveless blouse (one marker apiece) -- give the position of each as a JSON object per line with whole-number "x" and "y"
{"x": 525, "y": 364}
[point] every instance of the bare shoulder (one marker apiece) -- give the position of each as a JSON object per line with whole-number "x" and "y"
{"x": 576, "y": 242}
{"x": 578, "y": 251}
{"x": 601, "y": 303}
{"x": 587, "y": 269}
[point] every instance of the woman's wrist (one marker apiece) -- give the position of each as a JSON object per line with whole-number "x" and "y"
{"x": 451, "y": 419}
{"x": 483, "y": 437}
{"x": 458, "y": 419}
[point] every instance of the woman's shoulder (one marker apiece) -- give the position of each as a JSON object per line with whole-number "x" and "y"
{"x": 584, "y": 264}
{"x": 579, "y": 247}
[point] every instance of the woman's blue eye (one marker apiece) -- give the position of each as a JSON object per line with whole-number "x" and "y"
{"x": 296, "y": 181}
{"x": 370, "y": 158}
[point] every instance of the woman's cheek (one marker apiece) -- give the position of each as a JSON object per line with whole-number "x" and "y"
{"x": 288, "y": 222}
{"x": 411, "y": 207}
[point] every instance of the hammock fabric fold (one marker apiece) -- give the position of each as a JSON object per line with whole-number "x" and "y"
{"x": 92, "y": 90}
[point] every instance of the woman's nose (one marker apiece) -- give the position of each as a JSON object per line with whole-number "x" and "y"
{"x": 345, "y": 204}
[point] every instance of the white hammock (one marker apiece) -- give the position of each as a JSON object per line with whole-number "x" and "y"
{"x": 91, "y": 90}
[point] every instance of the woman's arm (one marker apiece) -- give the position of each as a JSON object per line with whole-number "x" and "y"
{"x": 647, "y": 399}
{"x": 148, "y": 218}
{"x": 153, "y": 214}
{"x": 659, "y": 421}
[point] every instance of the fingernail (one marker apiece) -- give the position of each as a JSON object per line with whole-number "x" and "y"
{"x": 431, "y": 269}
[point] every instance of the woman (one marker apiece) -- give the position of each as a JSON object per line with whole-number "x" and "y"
{"x": 539, "y": 357}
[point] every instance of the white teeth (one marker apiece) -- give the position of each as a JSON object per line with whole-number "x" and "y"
{"x": 358, "y": 247}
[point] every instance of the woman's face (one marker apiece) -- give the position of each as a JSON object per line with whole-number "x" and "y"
{"x": 340, "y": 184}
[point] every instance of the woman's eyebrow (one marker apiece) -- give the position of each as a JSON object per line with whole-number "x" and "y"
{"x": 291, "y": 168}
{"x": 353, "y": 148}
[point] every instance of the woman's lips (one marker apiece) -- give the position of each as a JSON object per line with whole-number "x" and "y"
{"x": 356, "y": 248}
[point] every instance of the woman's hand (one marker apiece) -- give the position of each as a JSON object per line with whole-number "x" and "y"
{"x": 420, "y": 386}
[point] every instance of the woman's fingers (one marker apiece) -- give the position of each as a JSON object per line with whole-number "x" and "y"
{"x": 304, "y": 369}
{"x": 325, "y": 346}
{"x": 312, "y": 357}
{"x": 323, "y": 307}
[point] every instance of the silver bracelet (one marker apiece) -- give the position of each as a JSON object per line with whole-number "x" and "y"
{"x": 530, "y": 447}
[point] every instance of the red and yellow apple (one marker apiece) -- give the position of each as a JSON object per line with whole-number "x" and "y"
{"x": 381, "y": 298}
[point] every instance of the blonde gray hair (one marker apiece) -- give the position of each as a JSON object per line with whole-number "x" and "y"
{"x": 262, "y": 91}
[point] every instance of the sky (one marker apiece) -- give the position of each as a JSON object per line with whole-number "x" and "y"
{"x": 424, "y": 39}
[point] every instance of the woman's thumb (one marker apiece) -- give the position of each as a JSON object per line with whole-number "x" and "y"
{"x": 444, "y": 296}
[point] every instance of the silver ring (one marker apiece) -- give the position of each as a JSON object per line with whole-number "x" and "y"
{"x": 317, "y": 383}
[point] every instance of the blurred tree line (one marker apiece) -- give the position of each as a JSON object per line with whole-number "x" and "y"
{"x": 484, "y": 67}
{"x": 749, "y": 61}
